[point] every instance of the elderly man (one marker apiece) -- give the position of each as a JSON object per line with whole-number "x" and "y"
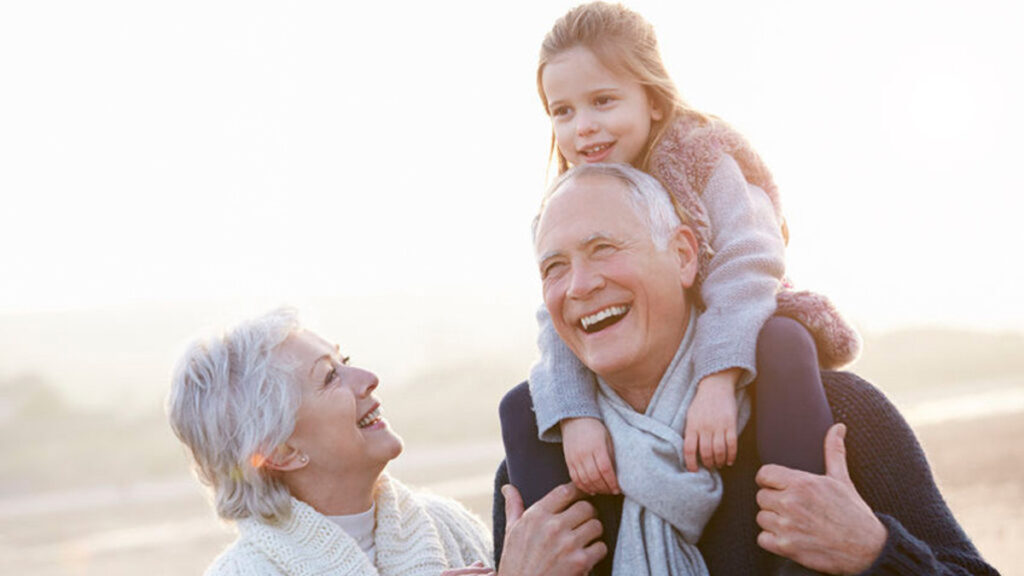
{"x": 597, "y": 248}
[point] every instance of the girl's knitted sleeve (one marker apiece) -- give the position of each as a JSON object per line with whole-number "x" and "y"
{"x": 743, "y": 276}
{"x": 561, "y": 386}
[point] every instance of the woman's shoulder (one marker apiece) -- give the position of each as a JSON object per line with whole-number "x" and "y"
{"x": 239, "y": 559}
{"x": 463, "y": 534}
{"x": 440, "y": 508}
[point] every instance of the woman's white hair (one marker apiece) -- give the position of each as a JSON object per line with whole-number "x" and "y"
{"x": 649, "y": 199}
{"x": 232, "y": 402}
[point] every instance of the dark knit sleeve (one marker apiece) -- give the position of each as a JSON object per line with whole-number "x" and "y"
{"x": 498, "y": 512}
{"x": 891, "y": 473}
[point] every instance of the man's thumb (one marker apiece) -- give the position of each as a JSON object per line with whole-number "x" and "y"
{"x": 513, "y": 505}
{"x": 835, "y": 453}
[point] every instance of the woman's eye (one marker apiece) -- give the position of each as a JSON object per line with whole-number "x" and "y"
{"x": 331, "y": 376}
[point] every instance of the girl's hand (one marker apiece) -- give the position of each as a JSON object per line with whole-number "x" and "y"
{"x": 711, "y": 422}
{"x": 589, "y": 455}
{"x": 474, "y": 568}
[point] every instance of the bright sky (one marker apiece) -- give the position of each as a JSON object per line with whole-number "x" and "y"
{"x": 255, "y": 151}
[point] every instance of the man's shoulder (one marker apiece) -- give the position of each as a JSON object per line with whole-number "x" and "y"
{"x": 856, "y": 401}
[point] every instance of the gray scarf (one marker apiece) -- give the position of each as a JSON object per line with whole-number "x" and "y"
{"x": 665, "y": 507}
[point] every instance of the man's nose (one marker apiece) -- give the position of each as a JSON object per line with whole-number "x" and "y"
{"x": 584, "y": 280}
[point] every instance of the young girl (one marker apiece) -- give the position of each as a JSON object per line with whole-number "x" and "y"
{"x": 610, "y": 99}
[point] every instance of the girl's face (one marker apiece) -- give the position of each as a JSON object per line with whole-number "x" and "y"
{"x": 597, "y": 115}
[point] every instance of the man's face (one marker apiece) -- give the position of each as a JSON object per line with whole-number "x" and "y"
{"x": 616, "y": 300}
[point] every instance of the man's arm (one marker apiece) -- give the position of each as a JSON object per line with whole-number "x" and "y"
{"x": 888, "y": 476}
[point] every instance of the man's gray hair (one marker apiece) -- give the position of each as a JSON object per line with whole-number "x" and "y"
{"x": 648, "y": 197}
{"x": 232, "y": 402}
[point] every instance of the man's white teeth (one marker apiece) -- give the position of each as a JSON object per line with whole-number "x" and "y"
{"x": 588, "y": 321}
{"x": 370, "y": 418}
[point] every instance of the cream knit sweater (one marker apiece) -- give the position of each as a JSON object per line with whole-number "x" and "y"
{"x": 416, "y": 534}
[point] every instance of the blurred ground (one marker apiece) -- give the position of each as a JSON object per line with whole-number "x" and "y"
{"x": 167, "y": 527}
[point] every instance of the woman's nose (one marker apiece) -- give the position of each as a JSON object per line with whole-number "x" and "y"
{"x": 364, "y": 383}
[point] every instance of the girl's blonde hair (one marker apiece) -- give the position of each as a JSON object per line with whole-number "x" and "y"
{"x": 624, "y": 43}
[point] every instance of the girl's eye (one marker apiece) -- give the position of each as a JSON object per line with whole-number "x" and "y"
{"x": 560, "y": 111}
{"x": 603, "y": 100}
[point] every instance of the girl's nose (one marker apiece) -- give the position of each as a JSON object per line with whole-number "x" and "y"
{"x": 585, "y": 124}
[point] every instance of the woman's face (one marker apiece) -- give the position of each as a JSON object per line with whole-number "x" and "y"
{"x": 339, "y": 424}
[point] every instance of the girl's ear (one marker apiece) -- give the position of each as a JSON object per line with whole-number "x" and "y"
{"x": 684, "y": 242}
{"x": 656, "y": 112}
{"x": 286, "y": 458}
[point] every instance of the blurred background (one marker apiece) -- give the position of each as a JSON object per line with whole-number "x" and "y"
{"x": 167, "y": 168}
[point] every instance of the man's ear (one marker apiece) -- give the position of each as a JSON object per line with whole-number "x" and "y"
{"x": 286, "y": 458}
{"x": 684, "y": 242}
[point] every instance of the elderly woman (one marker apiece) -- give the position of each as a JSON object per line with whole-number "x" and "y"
{"x": 290, "y": 438}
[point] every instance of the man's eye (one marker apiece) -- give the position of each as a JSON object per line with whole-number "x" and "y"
{"x": 603, "y": 248}
{"x": 551, "y": 269}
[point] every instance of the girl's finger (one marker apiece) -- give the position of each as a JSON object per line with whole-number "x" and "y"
{"x": 720, "y": 450}
{"x": 707, "y": 451}
{"x": 730, "y": 443}
{"x": 690, "y": 451}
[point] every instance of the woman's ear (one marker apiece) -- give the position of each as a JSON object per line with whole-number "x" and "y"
{"x": 684, "y": 242}
{"x": 286, "y": 458}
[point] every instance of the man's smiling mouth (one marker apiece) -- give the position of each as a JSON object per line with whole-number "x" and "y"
{"x": 603, "y": 318}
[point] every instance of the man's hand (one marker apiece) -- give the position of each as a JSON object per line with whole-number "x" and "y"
{"x": 589, "y": 455}
{"x": 711, "y": 422}
{"x": 558, "y": 535}
{"x": 820, "y": 522}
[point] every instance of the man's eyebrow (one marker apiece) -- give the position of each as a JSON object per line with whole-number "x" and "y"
{"x": 328, "y": 356}
{"x": 548, "y": 255}
{"x": 596, "y": 236}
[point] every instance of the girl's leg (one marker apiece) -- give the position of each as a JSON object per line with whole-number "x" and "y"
{"x": 792, "y": 412}
{"x": 534, "y": 467}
